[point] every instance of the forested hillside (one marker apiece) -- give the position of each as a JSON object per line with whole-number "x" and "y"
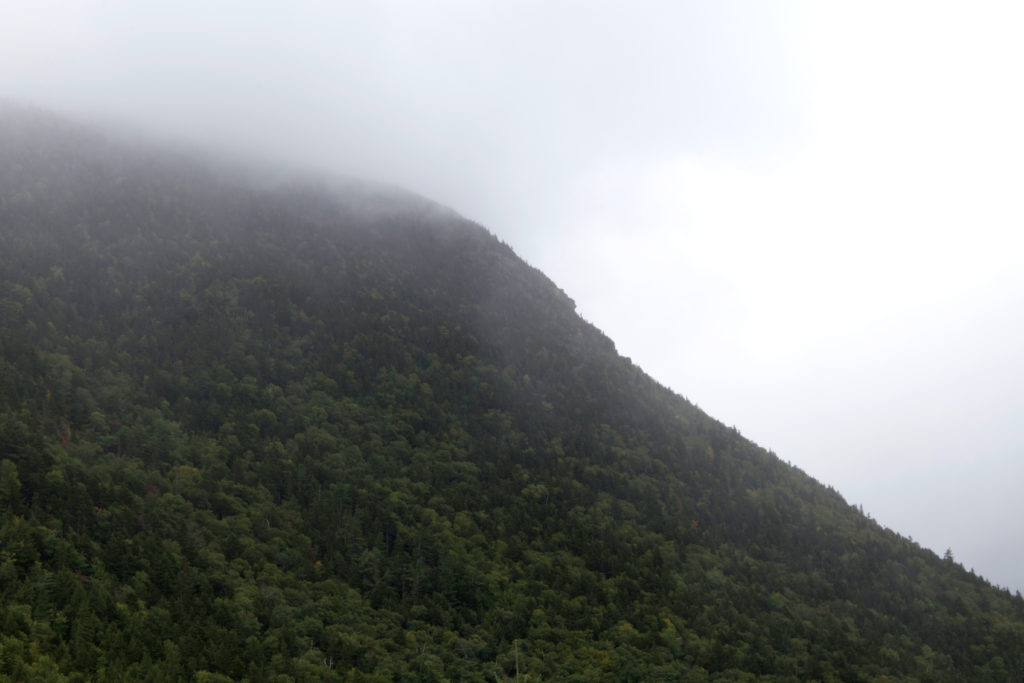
{"x": 330, "y": 431}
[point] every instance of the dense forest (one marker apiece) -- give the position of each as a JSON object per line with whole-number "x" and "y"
{"x": 266, "y": 430}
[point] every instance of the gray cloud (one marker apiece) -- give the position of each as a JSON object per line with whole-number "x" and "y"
{"x": 800, "y": 216}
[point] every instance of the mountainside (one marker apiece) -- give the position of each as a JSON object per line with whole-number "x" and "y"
{"x": 299, "y": 431}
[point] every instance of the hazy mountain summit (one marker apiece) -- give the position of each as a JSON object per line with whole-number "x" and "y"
{"x": 263, "y": 430}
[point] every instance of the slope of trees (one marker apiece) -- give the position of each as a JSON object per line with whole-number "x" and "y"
{"x": 320, "y": 433}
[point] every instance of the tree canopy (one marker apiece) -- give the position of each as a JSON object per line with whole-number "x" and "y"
{"x": 331, "y": 431}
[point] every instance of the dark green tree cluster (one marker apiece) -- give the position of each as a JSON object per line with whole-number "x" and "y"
{"x": 298, "y": 432}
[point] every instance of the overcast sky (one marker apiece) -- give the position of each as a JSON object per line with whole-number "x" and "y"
{"x": 806, "y": 217}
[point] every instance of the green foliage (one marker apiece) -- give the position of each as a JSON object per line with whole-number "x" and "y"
{"x": 313, "y": 434}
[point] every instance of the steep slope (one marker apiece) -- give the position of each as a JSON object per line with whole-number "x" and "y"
{"x": 308, "y": 432}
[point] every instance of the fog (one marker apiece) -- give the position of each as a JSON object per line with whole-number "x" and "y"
{"x": 804, "y": 217}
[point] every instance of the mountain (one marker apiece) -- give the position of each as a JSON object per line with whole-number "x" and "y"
{"x": 295, "y": 430}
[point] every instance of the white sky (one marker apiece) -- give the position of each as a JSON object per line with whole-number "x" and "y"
{"x": 804, "y": 216}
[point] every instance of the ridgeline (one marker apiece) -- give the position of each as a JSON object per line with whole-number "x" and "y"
{"x": 330, "y": 431}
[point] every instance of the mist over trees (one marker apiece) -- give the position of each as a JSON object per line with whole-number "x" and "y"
{"x": 300, "y": 431}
